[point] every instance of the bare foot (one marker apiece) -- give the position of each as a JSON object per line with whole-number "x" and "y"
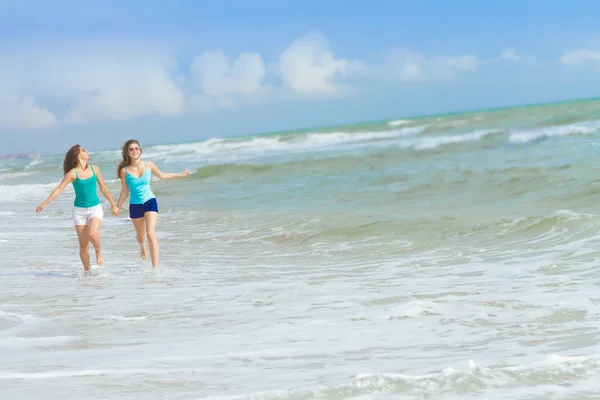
{"x": 143, "y": 252}
{"x": 99, "y": 258}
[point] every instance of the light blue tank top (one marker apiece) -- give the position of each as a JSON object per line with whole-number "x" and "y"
{"x": 139, "y": 188}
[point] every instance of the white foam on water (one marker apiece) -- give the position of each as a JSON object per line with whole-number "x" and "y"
{"x": 472, "y": 380}
{"x": 21, "y": 192}
{"x": 15, "y": 316}
{"x": 442, "y": 123}
{"x": 99, "y": 372}
{"x": 23, "y": 342}
{"x": 522, "y": 137}
{"x": 399, "y": 122}
{"x": 124, "y": 318}
{"x": 433, "y": 142}
{"x": 11, "y": 175}
{"x": 335, "y": 138}
{"x": 34, "y": 162}
{"x": 227, "y": 150}
{"x": 408, "y": 319}
{"x": 415, "y": 308}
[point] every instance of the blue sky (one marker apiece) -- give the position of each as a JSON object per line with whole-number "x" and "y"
{"x": 100, "y": 72}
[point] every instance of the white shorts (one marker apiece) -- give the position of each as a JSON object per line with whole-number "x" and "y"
{"x": 82, "y": 215}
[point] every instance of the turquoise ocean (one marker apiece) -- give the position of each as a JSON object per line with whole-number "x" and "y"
{"x": 449, "y": 256}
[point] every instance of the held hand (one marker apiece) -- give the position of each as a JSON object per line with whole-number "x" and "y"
{"x": 115, "y": 211}
{"x": 186, "y": 172}
{"x": 40, "y": 208}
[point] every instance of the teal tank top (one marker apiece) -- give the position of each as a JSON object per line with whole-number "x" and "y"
{"x": 85, "y": 191}
{"x": 139, "y": 188}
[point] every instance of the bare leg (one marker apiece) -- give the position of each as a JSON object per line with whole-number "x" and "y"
{"x": 94, "y": 233}
{"x": 151, "y": 218}
{"x": 140, "y": 230}
{"x": 84, "y": 243}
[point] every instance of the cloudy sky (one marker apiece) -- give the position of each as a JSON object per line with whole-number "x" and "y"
{"x": 98, "y": 72}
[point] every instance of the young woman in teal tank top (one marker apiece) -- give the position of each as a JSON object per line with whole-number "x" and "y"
{"x": 135, "y": 175}
{"x": 87, "y": 210}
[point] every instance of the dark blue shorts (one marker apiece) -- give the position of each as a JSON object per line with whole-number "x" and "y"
{"x": 138, "y": 210}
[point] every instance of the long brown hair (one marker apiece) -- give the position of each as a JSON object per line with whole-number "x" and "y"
{"x": 71, "y": 158}
{"x": 125, "y": 153}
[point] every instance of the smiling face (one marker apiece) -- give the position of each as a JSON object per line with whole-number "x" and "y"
{"x": 134, "y": 151}
{"x": 131, "y": 152}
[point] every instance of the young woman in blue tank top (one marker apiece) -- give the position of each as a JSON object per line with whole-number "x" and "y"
{"x": 87, "y": 211}
{"x": 135, "y": 175}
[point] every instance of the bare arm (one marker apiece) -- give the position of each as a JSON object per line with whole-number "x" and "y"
{"x": 124, "y": 189}
{"x": 104, "y": 188}
{"x": 165, "y": 175}
{"x": 68, "y": 178}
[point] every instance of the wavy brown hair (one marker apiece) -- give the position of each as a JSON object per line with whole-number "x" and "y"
{"x": 71, "y": 158}
{"x": 125, "y": 153}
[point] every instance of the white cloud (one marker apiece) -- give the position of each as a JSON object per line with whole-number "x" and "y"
{"x": 416, "y": 67}
{"x": 579, "y": 56}
{"x": 446, "y": 67}
{"x": 219, "y": 81}
{"x": 22, "y": 113}
{"x": 130, "y": 95}
{"x": 309, "y": 67}
{"x": 100, "y": 87}
{"x": 17, "y": 109}
{"x": 410, "y": 66}
{"x": 87, "y": 82}
{"x": 510, "y": 54}
{"x": 72, "y": 81}
{"x": 410, "y": 69}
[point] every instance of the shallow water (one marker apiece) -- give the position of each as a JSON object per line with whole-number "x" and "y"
{"x": 403, "y": 259}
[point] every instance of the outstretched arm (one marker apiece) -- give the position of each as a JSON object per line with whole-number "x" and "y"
{"x": 105, "y": 191}
{"x": 68, "y": 178}
{"x": 165, "y": 175}
{"x": 124, "y": 189}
